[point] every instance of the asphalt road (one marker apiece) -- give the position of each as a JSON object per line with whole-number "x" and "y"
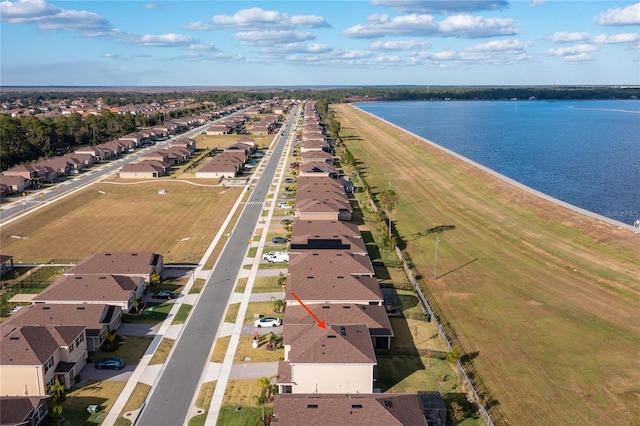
{"x": 170, "y": 401}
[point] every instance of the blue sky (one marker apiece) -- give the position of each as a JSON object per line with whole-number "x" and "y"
{"x": 307, "y": 42}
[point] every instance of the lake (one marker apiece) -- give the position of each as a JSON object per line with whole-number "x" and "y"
{"x": 585, "y": 153}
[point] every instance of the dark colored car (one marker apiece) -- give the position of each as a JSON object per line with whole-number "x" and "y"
{"x": 165, "y": 294}
{"x": 113, "y": 363}
{"x": 279, "y": 240}
{"x": 286, "y": 222}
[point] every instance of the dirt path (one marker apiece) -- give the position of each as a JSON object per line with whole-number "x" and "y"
{"x": 545, "y": 298}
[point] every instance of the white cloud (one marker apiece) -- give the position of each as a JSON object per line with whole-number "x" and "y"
{"x": 152, "y": 5}
{"x": 400, "y": 45}
{"x": 476, "y": 26}
{"x": 110, "y": 55}
{"x": 617, "y": 38}
{"x": 198, "y": 26}
{"x": 535, "y": 3}
{"x": 466, "y": 26}
{"x": 429, "y": 6}
{"x": 510, "y": 45}
{"x": 202, "y": 47}
{"x": 49, "y": 17}
{"x": 266, "y": 38}
{"x": 569, "y": 37}
{"x": 577, "y": 53}
{"x": 213, "y": 57}
{"x": 298, "y": 48}
{"x": 629, "y": 15}
{"x": 259, "y": 18}
{"x": 163, "y": 40}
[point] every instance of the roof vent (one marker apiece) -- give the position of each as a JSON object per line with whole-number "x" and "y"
{"x": 312, "y": 405}
{"x": 356, "y": 405}
{"x": 78, "y": 278}
{"x": 102, "y": 278}
{"x": 346, "y": 307}
{"x": 331, "y": 336}
{"x": 14, "y": 338}
{"x": 46, "y": 307}
{"x": 80, "y": 308}
{"x": 340, "y": 276}
{"x": 107, "y": 254}
{"x": 326, "y": 307}
{"x": 310, "y": 276}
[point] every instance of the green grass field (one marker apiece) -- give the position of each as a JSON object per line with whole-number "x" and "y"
{"x": 542, "y": 300}
{"x": 130, "y": 217}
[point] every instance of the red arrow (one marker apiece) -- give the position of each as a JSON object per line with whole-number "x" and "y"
{"x": 321, "y": 324}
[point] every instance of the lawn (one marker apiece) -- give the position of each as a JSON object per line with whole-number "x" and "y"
{"x": 220, "y": 350}
{"x": 134, "y": 402}
{"x": 183, "y": 313}
{"x": 240, "y": 404}
{"x": 246, "y": 353}
{"x": 266, "y": 285}
{"x": 541, "y": 299}
{"x": 203, "y": 402}
{"x": 260, "y": 309}
{"x": 131, "y": 351}
{"x": 162, "y": 351}
{"x": 103, "y": 394}
{"x": 194, "y": 212}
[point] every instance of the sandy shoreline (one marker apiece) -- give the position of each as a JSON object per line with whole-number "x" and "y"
{"x": 506, "y": 179}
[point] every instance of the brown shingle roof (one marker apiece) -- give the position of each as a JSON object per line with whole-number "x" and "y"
{"x": 373, "y": 316}
{"x": 14, "y": 410}
{"x": 90, "y": 288}
{"x": 327, "y": 233}
{"x": 119, "y": 263}
{"x": 94, "y": 317}
{"x": 335, "y": 344}
{"x": 33, "y": 345}
{"x": 347, "y": 410}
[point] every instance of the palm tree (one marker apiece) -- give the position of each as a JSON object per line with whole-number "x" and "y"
{"x": 112, "y": 340}
{"x": 272, "y": 339}
{"x": 56, "y": 390}
{"x": 278, "y": 306}
{"x": 282, "y": 279}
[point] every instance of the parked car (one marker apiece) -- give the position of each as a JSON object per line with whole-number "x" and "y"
{"x": 267, "y": 322}
{"x": 165, "y": 294}
{"x": 279, "y": 240}
{"x": 276, "y": 257}
{"x": 249, "y": 166}
{"x": 113, "y": 363}
{"x": 288, "y": 180}
{"x": 284, "y": 206}
{"x": 286, "y": 222}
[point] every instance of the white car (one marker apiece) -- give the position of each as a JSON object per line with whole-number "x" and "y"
{"x": 267, "y": 322}
{"x": 276, "y": 257}
{"x": 284, "y": 206}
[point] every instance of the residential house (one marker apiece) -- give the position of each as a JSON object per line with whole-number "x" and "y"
{"x": 373, "y": 316}
{"x": 222, "y": 165}
{"x": 14, "y": 184}
{"x": 131, "y": 264}
{"x": 388, "y": 409}
{"x": 23, "y": 410}
{"x": 318, "y": 169}
{"x": 116, "y": 290}
{"x": 147, "y": 169}
{"x": 326, "y": 234}
{"x": 99, "y": 319}
{"x": 33, "y": 357}
{"x": 336, "y": 359}
{"x": 307, "y": 157}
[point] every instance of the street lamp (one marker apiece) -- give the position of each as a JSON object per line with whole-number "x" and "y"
{"x": 435, "y": 262}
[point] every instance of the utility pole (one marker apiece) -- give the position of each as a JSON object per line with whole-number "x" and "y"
{"x": 435, "y": 263}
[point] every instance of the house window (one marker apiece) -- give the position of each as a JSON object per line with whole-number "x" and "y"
{"x": 71, "y": 347}
{"x": 79, "y": 339}
{"x": 48, "y": 364}
{"x": 50, "y": 382}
